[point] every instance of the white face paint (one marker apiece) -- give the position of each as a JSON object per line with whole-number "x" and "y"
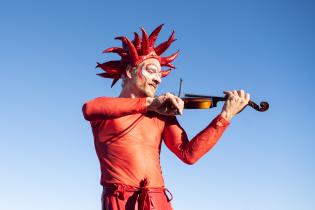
{"x": 151, "y": 71}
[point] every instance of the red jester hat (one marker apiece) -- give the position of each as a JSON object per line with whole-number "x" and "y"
{"x": 134, "y": 52}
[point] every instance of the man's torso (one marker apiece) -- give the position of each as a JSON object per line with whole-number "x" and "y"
{"x": 128, "y": 148}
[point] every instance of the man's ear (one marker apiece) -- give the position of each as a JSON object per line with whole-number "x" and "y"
{"x": 129, "y": 72}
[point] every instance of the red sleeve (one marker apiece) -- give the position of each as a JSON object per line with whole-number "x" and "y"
{"x": 105, "y": 107}
{"x": 189, "y": 152}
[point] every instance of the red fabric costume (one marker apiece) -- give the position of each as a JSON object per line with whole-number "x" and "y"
{"x": 128, "y": 138}
{"x": 128, "y": 143}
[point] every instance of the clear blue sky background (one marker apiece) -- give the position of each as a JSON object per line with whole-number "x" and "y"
{"x": 48, "y": 53}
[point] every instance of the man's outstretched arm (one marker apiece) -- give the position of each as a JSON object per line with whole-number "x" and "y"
{"x": 190, "y": 151}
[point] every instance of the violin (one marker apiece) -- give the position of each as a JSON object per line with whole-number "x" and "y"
{"x": 193, "y": 101}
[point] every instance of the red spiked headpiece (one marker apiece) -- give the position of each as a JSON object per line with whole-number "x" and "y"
{"x": 134, "y": 52}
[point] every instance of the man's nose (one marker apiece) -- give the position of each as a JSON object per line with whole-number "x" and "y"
{"x": 157, "y": 79}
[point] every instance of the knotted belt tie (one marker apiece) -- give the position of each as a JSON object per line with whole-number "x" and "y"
{"x": 144, "y": 200}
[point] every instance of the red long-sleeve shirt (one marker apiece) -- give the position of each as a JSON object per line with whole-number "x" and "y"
{"x": 128, "y": 139}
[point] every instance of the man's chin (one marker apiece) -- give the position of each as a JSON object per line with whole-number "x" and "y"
{"x": 150, "y": 93}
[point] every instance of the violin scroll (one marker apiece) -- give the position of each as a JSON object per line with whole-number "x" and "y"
{"x": 264, "y": 106}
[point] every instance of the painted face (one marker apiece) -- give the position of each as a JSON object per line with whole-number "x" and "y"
{"x": 149, "y": 76}
{"x": 151, "y": 72}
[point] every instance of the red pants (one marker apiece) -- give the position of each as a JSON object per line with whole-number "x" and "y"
{"x": 124, "y": 197}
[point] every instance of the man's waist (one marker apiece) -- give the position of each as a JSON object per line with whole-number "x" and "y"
{"x": 129, "y": 188}
{"x": 133, "y": 179}
{"x": 120, "y": 190}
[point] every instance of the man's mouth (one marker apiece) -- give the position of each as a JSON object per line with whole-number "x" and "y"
{"x": 153, "y": 85}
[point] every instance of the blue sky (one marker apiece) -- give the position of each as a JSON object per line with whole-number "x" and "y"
{"x": 48, "y": 53}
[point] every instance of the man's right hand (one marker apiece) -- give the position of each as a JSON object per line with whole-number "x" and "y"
{"x": 166, "y": 104}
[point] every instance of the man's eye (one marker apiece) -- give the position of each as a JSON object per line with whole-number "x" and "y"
{"x": 151, "y": 71}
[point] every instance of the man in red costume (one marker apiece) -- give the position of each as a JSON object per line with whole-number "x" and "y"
{"x": 128, "y": 130}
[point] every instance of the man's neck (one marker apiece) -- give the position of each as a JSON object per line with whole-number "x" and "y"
{"x": 128, "y": 93}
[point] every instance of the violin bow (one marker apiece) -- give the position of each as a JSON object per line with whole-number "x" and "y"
{"x": 180, "y": 87}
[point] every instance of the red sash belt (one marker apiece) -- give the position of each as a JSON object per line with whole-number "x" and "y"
{"x": 142, "y": 192}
